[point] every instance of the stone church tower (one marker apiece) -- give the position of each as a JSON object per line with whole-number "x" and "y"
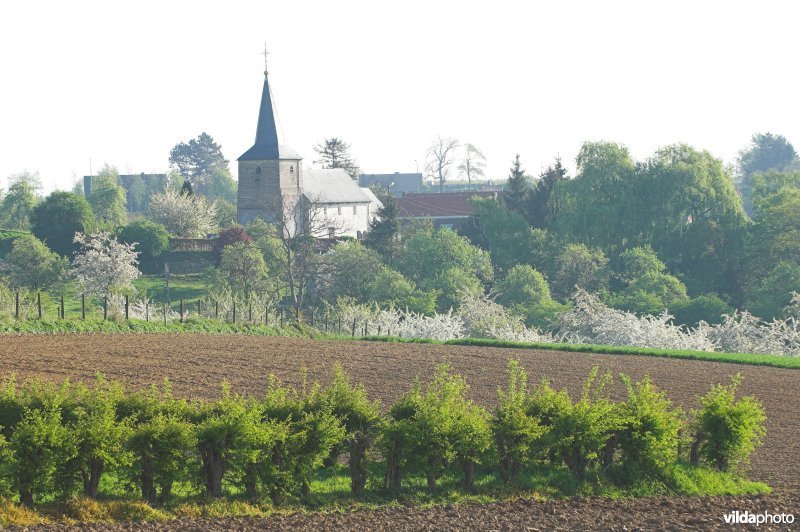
{"x": 270, "y": 175}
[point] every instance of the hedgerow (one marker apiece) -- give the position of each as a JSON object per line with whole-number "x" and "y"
{"x": 60, "y": 440}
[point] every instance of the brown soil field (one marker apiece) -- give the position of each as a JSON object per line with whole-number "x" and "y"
{"x": 196, "y": 364}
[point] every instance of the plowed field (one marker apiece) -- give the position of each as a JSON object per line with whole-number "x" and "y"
{"x": 195, "y": 364}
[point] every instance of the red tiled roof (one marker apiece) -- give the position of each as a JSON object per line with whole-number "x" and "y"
{"x": 432, "y": 205}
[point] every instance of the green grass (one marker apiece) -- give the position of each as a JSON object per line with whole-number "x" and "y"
{"x": 330, "y": 492}
{"x": 190, "y": 325}
{"x": 190, "y": 287}
{"x": 776, "y": 361}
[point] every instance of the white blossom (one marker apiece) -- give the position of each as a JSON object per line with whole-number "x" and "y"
{"x": 188, "y": 216}
{"x": 104, "y": 265}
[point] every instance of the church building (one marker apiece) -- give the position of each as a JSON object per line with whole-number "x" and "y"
{"x": 272, "y": 182}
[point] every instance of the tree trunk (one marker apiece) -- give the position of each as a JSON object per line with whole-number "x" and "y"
{"x": 166, "y": 491}
{"x": 358, "y": 467}
{"x": 250, "y": 486}
{"x": 694, "y": 450}
{"x": 148, "y": 486}
{"x": 468, "y": 469}
{"x": 214, "y": 469}
{"x": 431, "y": 475}
{"x": 26, "y": 496}
{"x": 91, "y": 483}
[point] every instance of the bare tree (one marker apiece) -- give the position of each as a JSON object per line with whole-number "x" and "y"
{"x": 301, "y": 227}
{"x": 473, "y": 164}
{"x": 439, "y": 158}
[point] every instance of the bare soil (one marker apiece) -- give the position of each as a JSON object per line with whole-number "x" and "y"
{"x": 196, "y": 364}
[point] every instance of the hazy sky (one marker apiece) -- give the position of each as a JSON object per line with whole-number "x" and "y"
{"x": 122, "y": 83}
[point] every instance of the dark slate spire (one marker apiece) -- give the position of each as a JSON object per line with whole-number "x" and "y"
{"x": 266, "y": 146}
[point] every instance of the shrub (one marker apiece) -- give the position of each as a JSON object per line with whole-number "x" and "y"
{"x": 581, "y": 430}
{"x": 361, "y": 420}
{"x": 727, "y": 431}
{"x": 162, "y": 448}
{"x": 151, "y": 241}
{"x": 650, "y": 428}
{"x": 100, "y": 436}
{"x": 515, "y": 432}
{"x": 39, "y": 445}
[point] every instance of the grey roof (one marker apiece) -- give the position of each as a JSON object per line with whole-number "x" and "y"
{"x": 397, "y": 183}
{"x": 372, "y": 197}
{"x": 266, "y": 147}
{"x": 331, "y": 185}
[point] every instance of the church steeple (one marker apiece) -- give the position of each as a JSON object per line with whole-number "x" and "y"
{"x": 266, "y": 146}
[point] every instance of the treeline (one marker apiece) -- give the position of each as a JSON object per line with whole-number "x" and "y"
{"x": 59, "y": 440}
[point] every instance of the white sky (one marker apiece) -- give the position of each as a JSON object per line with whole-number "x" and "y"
{"x": 122, "y": 83}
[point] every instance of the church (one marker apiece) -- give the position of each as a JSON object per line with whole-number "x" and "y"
{"x": 274, "y": 184}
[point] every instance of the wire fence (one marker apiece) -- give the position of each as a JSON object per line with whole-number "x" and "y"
{"x": 23, "y": 306}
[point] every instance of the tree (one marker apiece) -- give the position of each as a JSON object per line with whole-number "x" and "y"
{"x": 335, "y": 153}
{"x": 766, "y": 152}
{"x": 429, "y": 253}
{"x": 291, "y": 246}
{"x": 637, "y": 262}
{"x": 348, "y": 269}
{"x": 243, "y": 271}
{"x": 540, "y": 208}
{"x": 17, "y": 206}
{"x": 518, "y": 186}
{"x": 473, "y": 164}
{"x": 597, "y": 207}
{"x": 150, "y": 240}
{"x": 104, "y": 266}
{"x": 691, "y": 216}
{"x": 502, "y": 232}
{"x": 439, "y": 157}
{"x": 384, "y": 230}
{"x": 33, "y": 266}
{"x": 579, "y": 266}
{"x": 108, "y": 199}
{"x": 183, "y": 215}
{"x": 197, "y": 160}
{"x": 56, "y": 220}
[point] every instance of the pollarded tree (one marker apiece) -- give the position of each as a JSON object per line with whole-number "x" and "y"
{"x": 108, "y": 199}
{"x": 104, "y": 265}
{"x": 56, "y": 220}
{"x": 183, "y": 215}
{"x": 439, "y": 157}
{"x": 17, "y": 205}
{"x": 33, "y": 266}
{"x": 335, "y": 153}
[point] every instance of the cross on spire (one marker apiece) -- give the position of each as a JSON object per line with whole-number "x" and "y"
{"x": 265, "y": 53}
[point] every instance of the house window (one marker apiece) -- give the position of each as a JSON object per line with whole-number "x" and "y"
{"x": 355, "y": 209}
{"x": 339, "y": 210}
{"x": 331, "y": 232}
{"x": 325, "y": 211}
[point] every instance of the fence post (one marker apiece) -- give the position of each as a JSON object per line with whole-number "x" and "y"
{"x": 354, "y": 327}
{"x": 312, "y": 316}
{"x": 146, "y": 310}
{"x": 83, "y": 306}
{"x": 105, "y": 307}
{"x": 16, "y": 306}
{"x": 281, "y": 318}
{"x": 126, "y": 307}
{"x": 62, "y": 306}
{"x": 181, "y": 310}
{"x": 250, "y": 312}
{"x": 199, "y": 309}
{"x": 366, "y": 328}
{"x": 234, "y": 311}
{"x": 266, "y": 314}
{"x": 39, "y": 304}
{"x": 216, "y": 310}
{"x": 165, "y": 314}
{"x": 379, "y": 330}
{"x": 340, "y": 325}
{"x": 326, "y": 320}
